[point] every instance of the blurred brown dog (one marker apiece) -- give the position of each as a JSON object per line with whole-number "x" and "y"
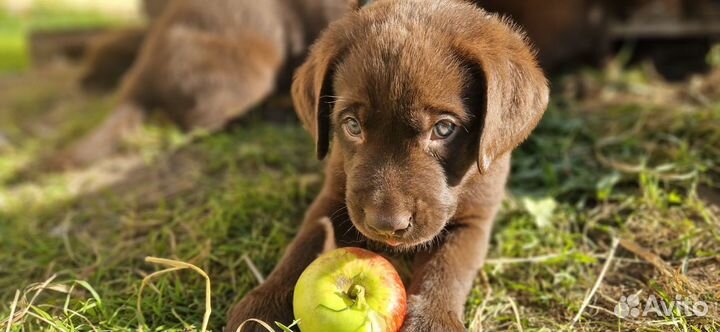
{"x": 206, "y": 62}
{"x": 424, "y": 101}
{"x": 111, "y": 55}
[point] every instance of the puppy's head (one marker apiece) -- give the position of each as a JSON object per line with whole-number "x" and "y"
{"x": 420, "y": 97}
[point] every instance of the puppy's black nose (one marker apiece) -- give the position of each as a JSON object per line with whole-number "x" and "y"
{"x": 388, "y": 222}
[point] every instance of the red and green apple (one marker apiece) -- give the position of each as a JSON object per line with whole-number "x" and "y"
{"x": 350, "y": 290}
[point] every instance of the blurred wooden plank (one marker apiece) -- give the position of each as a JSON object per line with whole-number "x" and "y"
{"x": 667, "y": 29}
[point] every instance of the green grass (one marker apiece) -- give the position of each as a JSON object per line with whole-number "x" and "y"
{"x": 618, "y": 155}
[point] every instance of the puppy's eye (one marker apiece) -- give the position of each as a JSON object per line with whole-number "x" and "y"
{"x": 352, "y": 126}
{"x": 443, "y": 130}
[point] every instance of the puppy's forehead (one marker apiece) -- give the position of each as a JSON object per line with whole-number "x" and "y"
{"x": 401, "y": 68}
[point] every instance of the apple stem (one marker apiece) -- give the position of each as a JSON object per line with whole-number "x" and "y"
{"x": 357, "y": 293}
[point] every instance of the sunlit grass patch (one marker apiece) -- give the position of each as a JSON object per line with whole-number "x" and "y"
{"x": 15, "y": 27}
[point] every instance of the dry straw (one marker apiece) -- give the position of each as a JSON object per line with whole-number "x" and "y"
{"x": 173, "y": 266}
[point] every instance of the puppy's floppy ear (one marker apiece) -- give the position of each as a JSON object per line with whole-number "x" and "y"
{"x": 312, "y": 91}
{"x": 515, "y": 88}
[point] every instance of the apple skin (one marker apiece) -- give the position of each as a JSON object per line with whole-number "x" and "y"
{"x": 350, "y": 290}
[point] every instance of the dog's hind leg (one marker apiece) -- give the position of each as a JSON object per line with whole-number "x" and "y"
{"x": 226, "y": 78}
{"x": 110, "y": 57}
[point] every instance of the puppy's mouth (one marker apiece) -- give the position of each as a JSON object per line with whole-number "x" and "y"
{"x": 390, "y": 241}
{"x": 396, "y": 245}
{"x": 406, "y": 242}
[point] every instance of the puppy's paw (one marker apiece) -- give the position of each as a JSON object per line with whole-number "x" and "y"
{"x": 425, "y": 316}
{"x": 433, "y": 323}
{"x": 263, "y": 304}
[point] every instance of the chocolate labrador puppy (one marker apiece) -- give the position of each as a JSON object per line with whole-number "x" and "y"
{"x": 424, "y": 101}
{"x": 205, "y": 63}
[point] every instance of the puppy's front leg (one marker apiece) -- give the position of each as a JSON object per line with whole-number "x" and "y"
{"x": 443, "y": 278}
{"x": 272, "y": 301}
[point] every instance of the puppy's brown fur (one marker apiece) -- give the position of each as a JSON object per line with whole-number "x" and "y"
{"x": 206, "y": 62}
{"x": 398, "y": 67}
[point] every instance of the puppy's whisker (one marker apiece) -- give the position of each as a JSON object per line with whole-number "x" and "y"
{"x": 349, "y": 228}
{"x": 335, "y": 214}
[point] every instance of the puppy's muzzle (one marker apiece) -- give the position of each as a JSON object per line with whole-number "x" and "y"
{"x": 388, "y": 222}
